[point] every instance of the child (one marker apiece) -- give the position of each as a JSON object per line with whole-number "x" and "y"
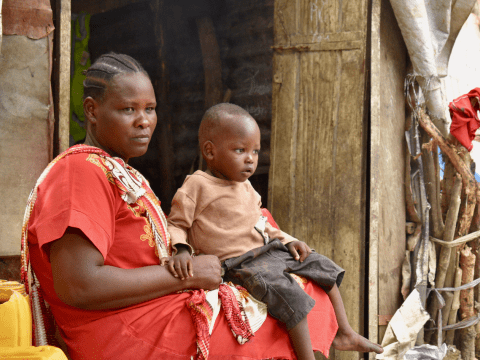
{"x": 219, "y": 212}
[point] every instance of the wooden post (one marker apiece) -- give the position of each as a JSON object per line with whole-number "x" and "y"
{"x": 63, "y": 34}
{"x": 1, "y": 30}
{"x": 387, "y": 178}
{"x": 375, "y": 130}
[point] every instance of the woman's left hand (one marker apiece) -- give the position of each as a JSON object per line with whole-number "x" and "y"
{"x": 299, "y": 250}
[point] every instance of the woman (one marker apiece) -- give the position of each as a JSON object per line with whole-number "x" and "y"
{"x": 96, "y": 234}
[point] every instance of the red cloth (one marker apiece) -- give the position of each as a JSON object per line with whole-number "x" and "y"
{"x": 463, "y": 111}
{"x": 201, "y": 313}
{"x": 77, "y": 192}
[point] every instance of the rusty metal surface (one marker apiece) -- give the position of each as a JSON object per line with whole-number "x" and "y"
{"x": 31, "y": 18}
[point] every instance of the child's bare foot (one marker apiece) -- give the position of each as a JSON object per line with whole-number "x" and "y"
{"x": 351, "y": 341}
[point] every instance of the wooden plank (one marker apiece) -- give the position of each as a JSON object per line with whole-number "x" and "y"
{"x": 316, "y": 38}
{"x": 1, "y": 33}
{"x": 348, "y": 197}
{"x": 375, "y": 115}
{"x": 323, "y": 46}
{"x": 283, "y": 138}
{"x": 391, "y": 156}
{"x": 61, "y": 86}
{"x": 387, "y": 197}
{"x": 318, "y": 157}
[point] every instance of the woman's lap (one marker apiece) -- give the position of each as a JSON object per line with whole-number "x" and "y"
{"x": 163, "y": 328}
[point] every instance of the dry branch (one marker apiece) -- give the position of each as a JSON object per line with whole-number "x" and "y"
{"x": 409, "y": 197}
{"x": 449, "y": 233}
{"x": 447, "y": 184}
{"x": 433, "y": 192}
{"x": 449, "y": 150}
{"x": 476, "y": 215}
{"x": 467, "y": 264}
{"x": 445, "y": 252}
{"x": 467, "y": 309}
{"x": 452, "y": 319}
{"x": 463, "y": 169}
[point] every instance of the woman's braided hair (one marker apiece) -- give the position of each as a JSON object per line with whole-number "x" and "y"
{"x": 99, "y": 75}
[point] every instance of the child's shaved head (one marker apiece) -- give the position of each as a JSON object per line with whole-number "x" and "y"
{"x": 229, "y": 139}
{"x": 218, "y": 118}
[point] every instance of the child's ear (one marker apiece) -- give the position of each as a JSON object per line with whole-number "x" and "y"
{"x": 208, "y": 150}
{"x": 89, "y": 109}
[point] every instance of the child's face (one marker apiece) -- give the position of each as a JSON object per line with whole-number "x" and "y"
{"x": 235, "y": 157}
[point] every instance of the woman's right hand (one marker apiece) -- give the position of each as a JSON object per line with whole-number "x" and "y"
{"x": 207, "y": 272}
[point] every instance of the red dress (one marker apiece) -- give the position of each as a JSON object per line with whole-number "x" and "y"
{"x": 80, "y": 192}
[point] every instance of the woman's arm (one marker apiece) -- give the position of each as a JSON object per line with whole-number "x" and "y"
{"x": 82, "y": 280}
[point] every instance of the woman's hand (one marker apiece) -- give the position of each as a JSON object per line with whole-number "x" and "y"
{"x": 299, "y": 250}
{"x": 207, "y": 272}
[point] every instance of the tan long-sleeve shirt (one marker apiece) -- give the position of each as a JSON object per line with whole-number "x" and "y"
{"x": 218, "y": 217}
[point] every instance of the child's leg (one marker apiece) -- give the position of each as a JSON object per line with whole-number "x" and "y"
{"x": 300, "y": 336}
{"x": 347, "y": 339}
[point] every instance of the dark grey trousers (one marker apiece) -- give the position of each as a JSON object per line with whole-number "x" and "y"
{"x": 265, "y": 273}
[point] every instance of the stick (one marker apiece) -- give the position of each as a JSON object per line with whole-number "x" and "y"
{"x": 467, "y": 344}
{"x": 447, "y": 149}
{"x": 445, "y": 253}
{"x": 469, "y": 183}
{"x": 452, "y": 319}
{"x": 449, "y": 233}
{"x": 411, "y": 209}
{"x": 432, "y": 190}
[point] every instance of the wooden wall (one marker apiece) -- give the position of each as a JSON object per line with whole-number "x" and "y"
{"x": 318, "y": 158}
{"x": 387, "y": 167}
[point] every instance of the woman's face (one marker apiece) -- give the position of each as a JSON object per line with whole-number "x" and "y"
{"x": 124, "y": 120}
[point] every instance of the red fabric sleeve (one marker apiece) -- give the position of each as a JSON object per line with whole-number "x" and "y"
{"x": 76, "y": 193}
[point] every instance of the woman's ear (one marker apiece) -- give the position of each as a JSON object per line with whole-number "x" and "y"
{"x": 89, "y": 109}
{"x": 208, "y": 150}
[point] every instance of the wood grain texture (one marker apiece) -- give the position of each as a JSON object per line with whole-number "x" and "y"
{"x": 375, "y": 128}
{"x": 390, "y": 150}
{"x": 318, "y": 153}
{"x": 63, "y": 61}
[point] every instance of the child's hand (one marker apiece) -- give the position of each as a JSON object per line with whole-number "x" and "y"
{"x": 181, "y": 264}
{"x": 164, "y": 261}
{"x": 299, "y": 250}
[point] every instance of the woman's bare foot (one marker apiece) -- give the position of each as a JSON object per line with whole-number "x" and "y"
{"x": 351, "y": 341}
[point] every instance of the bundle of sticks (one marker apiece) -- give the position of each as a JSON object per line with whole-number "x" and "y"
{"x": 448, "y": 216}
